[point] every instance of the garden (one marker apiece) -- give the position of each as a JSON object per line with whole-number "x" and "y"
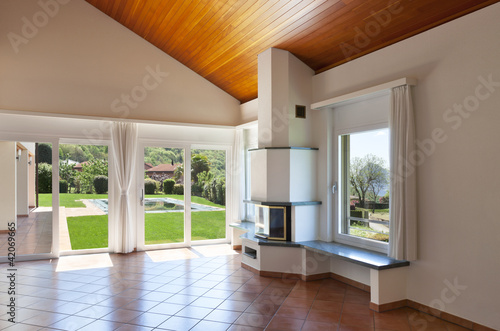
{"x": 83, "y": 187}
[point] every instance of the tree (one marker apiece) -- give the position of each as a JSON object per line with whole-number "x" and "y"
{"x": 44, "y": 178}
{"x": 364, "y": 172}
{"x": 66, "y": 172}
{"x": 159, "y": 155}
{"x": 380, "y": 183}
{"x": 92, "y": 169}
{"x": 44, "y": 153}
{"x": 179, "y": 172}
{"x": 199, "y": 163}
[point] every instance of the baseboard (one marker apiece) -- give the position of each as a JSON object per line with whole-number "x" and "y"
{"x": 378, "y": 308}
{"x": 307, "y": 278}
{"x": 388, "y": 306}
{"x": 448, "y": 317}
{"x": 351, "y": 282}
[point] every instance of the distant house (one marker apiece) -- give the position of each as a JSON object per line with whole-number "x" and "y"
{"x": 79, "y": 166}
{"x": 147, "y": 166}
{"x": 166, "y": 170}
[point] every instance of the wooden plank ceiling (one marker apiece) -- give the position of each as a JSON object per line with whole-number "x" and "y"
{"x": 220, "y": 39}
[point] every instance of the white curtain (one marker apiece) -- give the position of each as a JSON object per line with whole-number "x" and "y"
{"x": 238, "y": 175}
{"x": 403, "y": 208}
{"x": 124, "y": 147}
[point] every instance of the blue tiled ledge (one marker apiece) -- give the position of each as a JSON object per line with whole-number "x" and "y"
{"x": 360, "y": 256}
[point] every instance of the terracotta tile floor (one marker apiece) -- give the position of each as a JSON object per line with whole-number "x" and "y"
{"x": 33, "y": 235}
{"x": 204, "y": 293}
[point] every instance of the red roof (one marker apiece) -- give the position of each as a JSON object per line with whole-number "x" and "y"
{"x": 147, "y": 166}
{"x": 163, "y": 168}
{"x": 80, "y": 165}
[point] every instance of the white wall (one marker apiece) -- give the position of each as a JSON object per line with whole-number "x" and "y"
{"x": 249, "y": 111}
{"x": 7, "y": 183}
{"x": 458, "y": 180}
{"x": 81, "y": 62}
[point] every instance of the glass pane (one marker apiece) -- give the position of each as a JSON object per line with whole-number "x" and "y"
{"x": 25, "y": 198}
{"x": 368, "y": 185}
{"x": 208, "y": 194}
{"x": 83, "y": 196}
{"x": 164, "y": 195}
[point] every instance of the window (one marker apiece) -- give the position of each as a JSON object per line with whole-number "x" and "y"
{"x": 364, "y": 187}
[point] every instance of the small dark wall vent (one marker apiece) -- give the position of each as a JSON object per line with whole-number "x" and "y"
{"x": 300, "y": 111}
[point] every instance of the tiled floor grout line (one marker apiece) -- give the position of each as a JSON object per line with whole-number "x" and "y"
{"x": 131, "y": 287}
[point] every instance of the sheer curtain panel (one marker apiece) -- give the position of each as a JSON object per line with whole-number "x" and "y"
{"x": 403, "y": 206}
{"x": 124, "y": 145}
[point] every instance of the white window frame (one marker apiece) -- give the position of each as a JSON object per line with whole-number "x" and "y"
{"x": 229, "y": 180}
{"x": 340, "y": 237}
{"x": 188, "y": 147}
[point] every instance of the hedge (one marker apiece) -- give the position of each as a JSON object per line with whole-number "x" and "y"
{"x": 178, "y": 189}
{"x": 101, "y": 184}
{"x": 150, "y": 186}
{"x": 168, "y": 186}
{"x": 44, "y": 178}
{"x": 44, "y": 153}
{"x": 63, "y": 186}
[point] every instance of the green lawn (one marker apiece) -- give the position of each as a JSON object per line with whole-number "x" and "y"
{"x": 161, "y": 228}
{"x": 88, "y": 231}
{"x": 92, "y": 231}
{"x": 68, "y": 200}
{"x": 357, "y": 230}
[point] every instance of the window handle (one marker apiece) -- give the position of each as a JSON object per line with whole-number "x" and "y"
{"x": 142, "y": 197}
{"x": 334, "y": 188}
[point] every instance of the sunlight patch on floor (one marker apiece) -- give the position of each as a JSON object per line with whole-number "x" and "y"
{"x": 215, "y": 250}
{"x": 80, "y": 262}
{"x": 171, "y": 255}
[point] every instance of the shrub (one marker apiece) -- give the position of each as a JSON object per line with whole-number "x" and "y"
{"x": 90, "y": 170}
{"x": 360, "y": 213}
{"x": 178, "y": 189}
{"x": 150, "y": 186}
{"x": 220, "y": 191}
{"x": 63, "y": 186}
{"x": 168, "y": 186}
{"x": 44, "y": 153}
{"x": 196, "y": 189}
{"x": 357, "y": 213}
{"x": 44, "y": 178}
{"x": 101, "y": 184}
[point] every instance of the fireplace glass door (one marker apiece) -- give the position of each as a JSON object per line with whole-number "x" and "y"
{"x": 270, "y": 222}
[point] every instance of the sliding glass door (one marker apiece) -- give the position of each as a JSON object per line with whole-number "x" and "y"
{"x": 179, "y": 208}
{"x": 83, "y": 198}
{"x": 208, "y": 194}
{"x": 162, "y": 196}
